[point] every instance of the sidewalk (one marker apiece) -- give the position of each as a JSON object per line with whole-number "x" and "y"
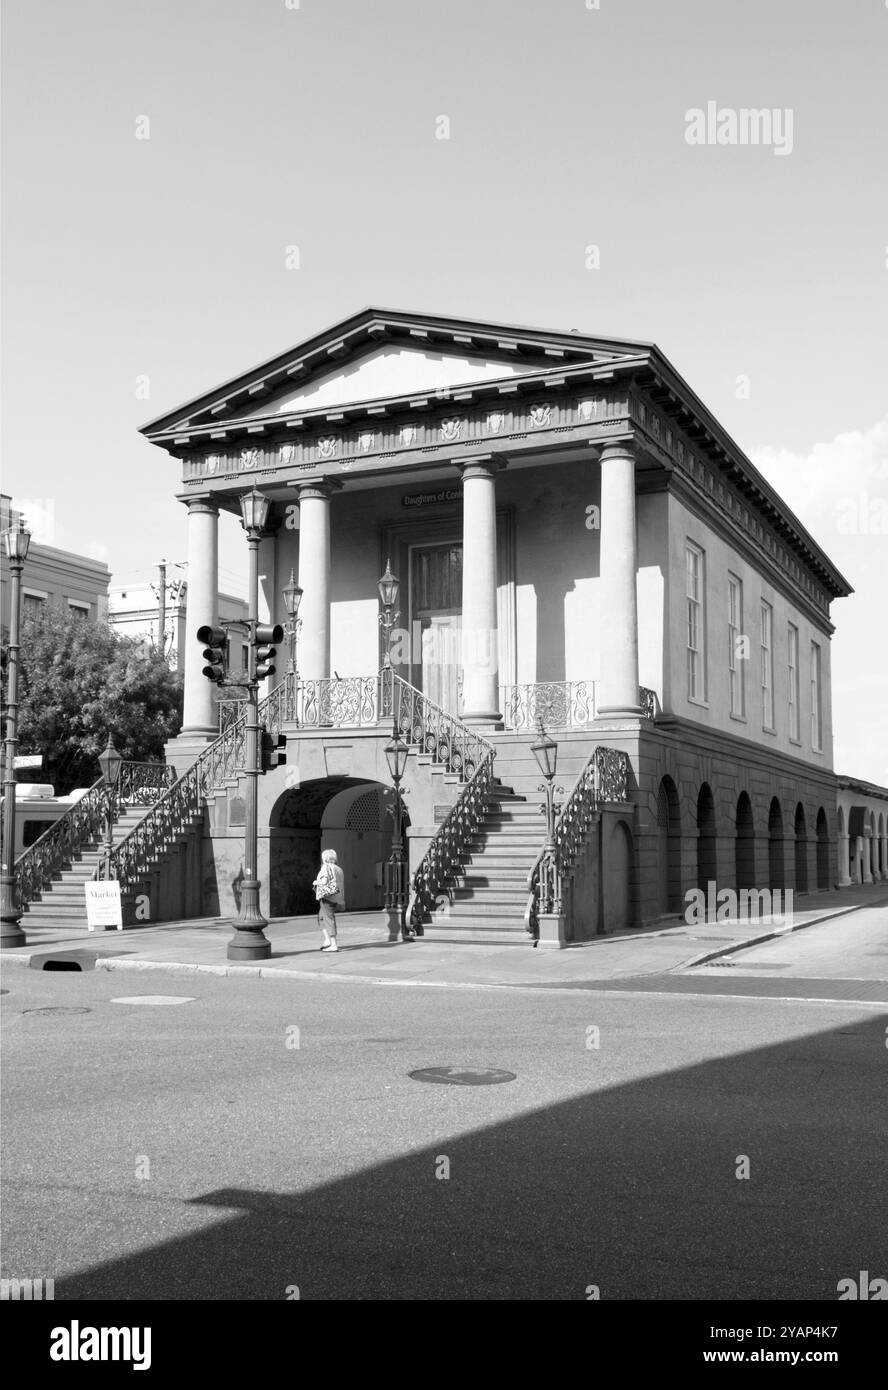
{"x": 366, "y": 955}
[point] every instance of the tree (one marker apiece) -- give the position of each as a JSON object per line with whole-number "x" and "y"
{"x": 80, "y": 681}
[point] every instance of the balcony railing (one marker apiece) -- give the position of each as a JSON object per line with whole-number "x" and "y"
{"x": 560, "y": 704}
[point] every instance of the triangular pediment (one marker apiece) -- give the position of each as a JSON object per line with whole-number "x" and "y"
{"x": 379, "y": 354}
{"x": 399, "y": 371}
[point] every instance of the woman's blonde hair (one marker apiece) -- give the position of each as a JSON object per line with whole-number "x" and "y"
{"x": 329, "y": 857}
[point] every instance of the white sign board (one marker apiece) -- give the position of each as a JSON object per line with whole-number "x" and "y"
{"x": 27, "y": 760}
{"x": 103, "y": 905}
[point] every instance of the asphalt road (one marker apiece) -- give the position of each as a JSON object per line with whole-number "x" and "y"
{"x": 189, "y": 1152}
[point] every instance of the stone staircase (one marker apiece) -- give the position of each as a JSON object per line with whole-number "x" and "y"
{"x": 487, "y": 900}
{"x": 63, "y": 904}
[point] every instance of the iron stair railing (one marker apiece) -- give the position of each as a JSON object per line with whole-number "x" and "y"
{"x": 605, "y": 778}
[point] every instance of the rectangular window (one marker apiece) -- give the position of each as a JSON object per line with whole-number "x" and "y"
{"x": 32, "y": 604}
{"x": 736, "y": 647}
{"x": 767, "y": 666}
{"x": 816, "y": 710}
{"x": 793, "y": 663}
{"x": 80, "y": 610}
{"x": 696, "y": 620}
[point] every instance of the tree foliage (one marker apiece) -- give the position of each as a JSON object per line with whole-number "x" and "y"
{"x": 80, "y": 681}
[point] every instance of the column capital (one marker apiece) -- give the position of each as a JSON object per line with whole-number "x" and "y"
{"x": 481, "y": 465}
{"x": 320, "y": 488}
{"x": 619, "y": 448}
{"x": 206, "y": 504}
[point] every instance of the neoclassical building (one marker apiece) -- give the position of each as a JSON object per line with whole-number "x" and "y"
{"x": 577, "y": 540}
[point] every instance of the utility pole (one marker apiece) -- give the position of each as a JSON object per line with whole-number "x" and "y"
{"x": 161, "y": 603}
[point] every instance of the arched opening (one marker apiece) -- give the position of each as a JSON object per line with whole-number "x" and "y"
{"x": 618, "y": 879}
{"x": 744, "y": 844}
{"x": 822, "y": 849}
{"x": 856, "y": 828}
{"x": 706, "y": 858}
{"x": 668, "y": 848}
{"x": 801, "y": 850}
{"x": 348, "y": 814}
{"x": 776, "y": 857}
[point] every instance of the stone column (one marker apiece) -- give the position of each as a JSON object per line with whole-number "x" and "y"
{"x": 479, "y": 638}
{"x": 199, "y": 716}
{"x": 269, "y": 598}
{"x": 618, "y": 675}
{"x": 867, "y": 848}
{"x": 314, "y": 580}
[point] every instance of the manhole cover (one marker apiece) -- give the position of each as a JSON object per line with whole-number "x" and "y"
{"x": 463, "y": 1076}
{"x": 154, "y": 999}
{"x": 60, "y": 1009}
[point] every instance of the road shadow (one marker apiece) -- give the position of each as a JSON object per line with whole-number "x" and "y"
{"x": 632, "y": 1188}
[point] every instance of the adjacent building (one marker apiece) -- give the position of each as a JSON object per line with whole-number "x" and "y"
{"x": 134, "y": 611}
{"x": 75, "y": 583}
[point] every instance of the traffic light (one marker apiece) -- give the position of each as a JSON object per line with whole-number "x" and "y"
{"x": 215, "y": 653}
{"x": 273, "y": 751}
{"x": 265, "y": 636}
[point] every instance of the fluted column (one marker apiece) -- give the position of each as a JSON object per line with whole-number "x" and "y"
{"x": 618, "y": 675}
{"x": 314, "y": 580}
{"x": 198, "y": 714}
{"x": 479, "y": 637}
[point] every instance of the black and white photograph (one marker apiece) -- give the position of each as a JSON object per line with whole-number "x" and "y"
{"x": 444, "y": 531}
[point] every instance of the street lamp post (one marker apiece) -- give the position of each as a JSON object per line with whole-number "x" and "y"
{"x": 396, "y": 753}
{"x": 389, "y": 587}
{"x": 109, "y": 761}
{"x": 545, "y": 750}
{"x": 292, "y": 599}
{"x": 249, "y": 941}
{"x": 17, "y": 542}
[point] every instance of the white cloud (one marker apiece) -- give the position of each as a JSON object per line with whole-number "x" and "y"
{"x": 839, "y": 491}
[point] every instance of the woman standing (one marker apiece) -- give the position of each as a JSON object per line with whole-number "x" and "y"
{"x": 329, "y": 889}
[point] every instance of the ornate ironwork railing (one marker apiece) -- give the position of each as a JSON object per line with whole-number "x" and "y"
{"x": 62, "y": 842}
{"x": 139, "y": 852}
{"x": 430, "y": 728}
{"x": 605, "y": 778}
{"x": 338, "y": 702}
{"x": 560, "y": 704}
{"x": 445, "y": 856}
{"x": 141, "y": 784}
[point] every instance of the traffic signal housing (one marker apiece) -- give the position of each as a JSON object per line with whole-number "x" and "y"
{"x": 272, "y": 751}
{"x": 266, "y": 635}
{"x": 215, "y": 652}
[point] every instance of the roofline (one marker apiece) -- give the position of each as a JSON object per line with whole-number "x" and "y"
{"x": 866, "y": 788}
{"x": 400, "y": 316}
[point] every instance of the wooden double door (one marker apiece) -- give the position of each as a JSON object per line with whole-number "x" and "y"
{"x": 436, "y": 571}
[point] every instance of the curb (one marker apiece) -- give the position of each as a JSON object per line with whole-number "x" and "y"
{"x": 736, "y": 946}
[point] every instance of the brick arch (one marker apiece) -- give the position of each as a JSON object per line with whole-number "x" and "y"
{"x": 776, "y": 848}
{"x": 822, "y": 833}
{"x": 800, "y": 826}
{"x": 707, "y": 864}
{"x": 669, "y": 897}
{"x": 744, "y": 843}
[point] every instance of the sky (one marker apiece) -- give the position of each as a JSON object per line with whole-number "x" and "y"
{"x": 160, "y": 160}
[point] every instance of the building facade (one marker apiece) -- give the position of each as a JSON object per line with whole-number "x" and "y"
{"x": 75, "y": 583}
{"x": 577, "y": 541}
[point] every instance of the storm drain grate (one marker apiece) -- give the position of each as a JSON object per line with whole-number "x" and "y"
{"x": 463, "y": 1076}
